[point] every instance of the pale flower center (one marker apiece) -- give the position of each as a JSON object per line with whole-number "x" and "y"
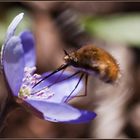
{"x": 28, "y": 82}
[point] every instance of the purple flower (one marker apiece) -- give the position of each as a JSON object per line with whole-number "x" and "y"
{"x": 18, "y": 61}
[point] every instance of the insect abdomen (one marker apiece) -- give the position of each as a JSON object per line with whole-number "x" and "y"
{"x": 95, "y": 61}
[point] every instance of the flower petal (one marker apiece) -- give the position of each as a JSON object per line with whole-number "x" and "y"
{"x": 10, "y": 31}
{"x": 28, "y": 43}
{"x": 12, "y": 27}
{"x": 63, "y": 88}
{"x": 61, "y": 112}
{"x": 85, "y": 117}
{"x": 13, "y": 63}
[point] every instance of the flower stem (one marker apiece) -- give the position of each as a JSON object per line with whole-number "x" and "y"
{"x": 10, "y": 105}
{"x": 7, "y": 103}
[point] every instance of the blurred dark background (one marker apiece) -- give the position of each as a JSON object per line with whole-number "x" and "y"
{"x": 114, "y": 26}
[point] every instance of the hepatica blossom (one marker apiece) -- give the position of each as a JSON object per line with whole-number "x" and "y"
{"x": 18, "y": 60}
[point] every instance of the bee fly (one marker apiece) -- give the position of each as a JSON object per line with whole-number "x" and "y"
{"x": 90, "y": 60}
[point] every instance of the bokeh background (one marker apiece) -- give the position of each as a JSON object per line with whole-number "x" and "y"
{"x": 114, "y": 26}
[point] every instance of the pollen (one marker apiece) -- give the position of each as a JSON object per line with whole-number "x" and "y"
{"x": 29, "y": 80}
{"x": 24, "y": 92}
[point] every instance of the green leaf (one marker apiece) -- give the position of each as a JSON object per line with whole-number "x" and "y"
{"x": 121, "y": 28}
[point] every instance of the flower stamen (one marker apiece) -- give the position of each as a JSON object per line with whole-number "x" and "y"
{"x": 28, "y": 82}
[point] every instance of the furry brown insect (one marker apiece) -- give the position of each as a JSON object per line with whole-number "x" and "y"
{"x": 95, "y": 61}
{"x": 90, "y": 60}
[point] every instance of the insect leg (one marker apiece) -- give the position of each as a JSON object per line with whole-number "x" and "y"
{"x": 67, "y": 78}
{"x": 58, "y": 82}
{"x": 57, "y": 70}
{"x": 86, "y": 82}
{"x": 75, "y": 86}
